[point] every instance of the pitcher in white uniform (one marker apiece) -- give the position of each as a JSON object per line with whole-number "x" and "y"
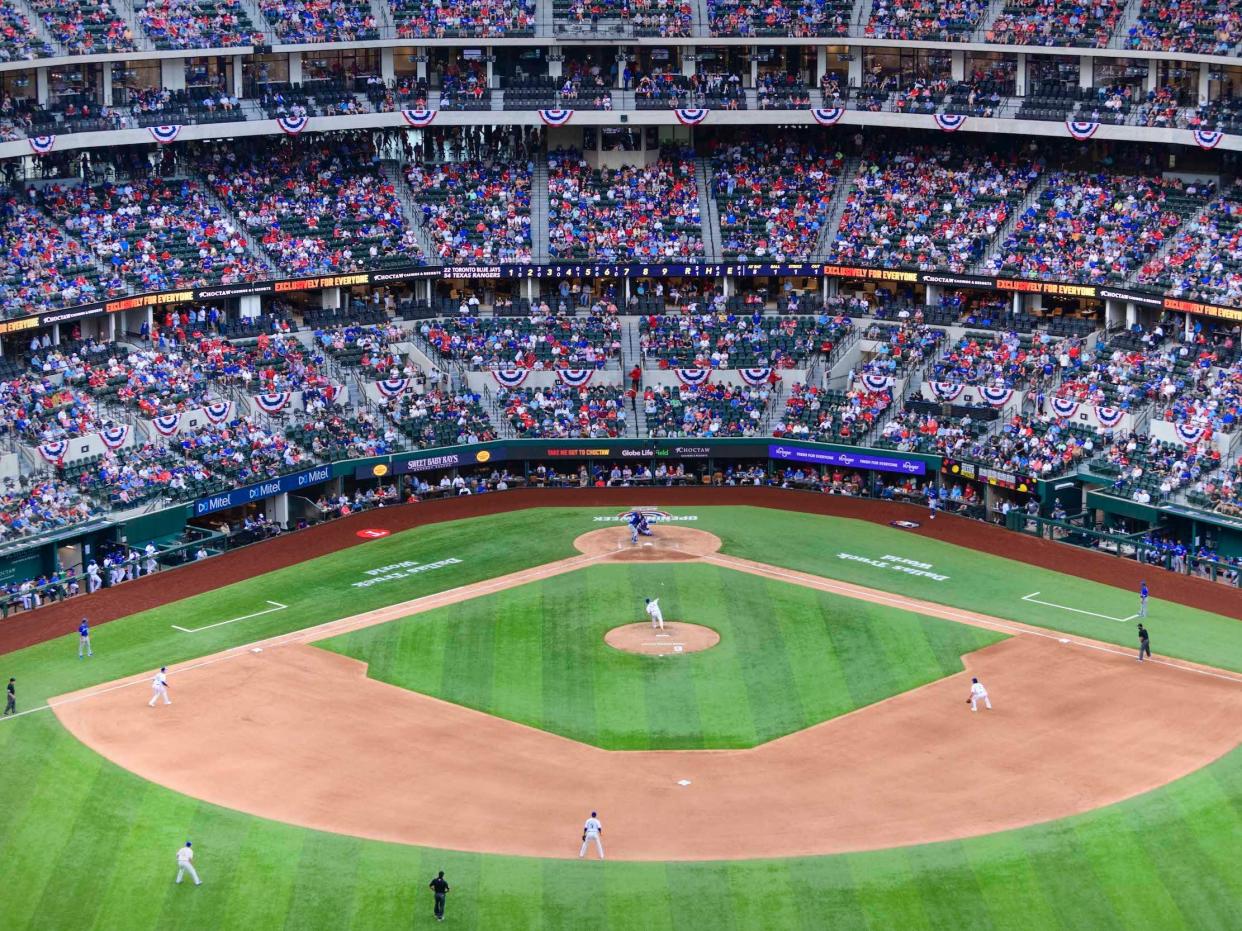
{"x": 591, "y": 831}
{"x": 654, "y": 612}
{"x": 159, "y": 687}
{"x": 978, "y": 694}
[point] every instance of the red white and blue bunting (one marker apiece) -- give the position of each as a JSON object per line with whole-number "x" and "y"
{"x": 575, "y": 378}
{"x": 272, "y": 402}
{"x": 167, "y": 424}
{"x": 691, "y": 116}
{"x": 392, "y": 387}
{"x": 828, "y": 116}
{"x": 873, "y": 381}
{"x": 54, "y": 451}
{"x": 1064, "y": 407}
{"x": 510, "y": 378}
{"x": 947, "y": 391}
{"x": 755, "y": 377}
{"x": 332, "y": 393}
{"x": 41, "y": 145}
{"x": 1189, "y": 433}
{"x": 292, "y": 125}
{"x": 949, "y": 122}
{"x": 217, "y": 412}
{"x": 164, "y": 134}
{"x": 1207, "y": 138}
{"x": 1109, "y": 416}
{"x": 996, "y": 396}
{"x": 419, "y": 118}
{"x": 114, "y": 437}
{"x": 693, "y": 378}
{"x": 555, "y": 116}
{"x": 1082, "y": 130}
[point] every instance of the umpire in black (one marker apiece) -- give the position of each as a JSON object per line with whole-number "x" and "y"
{"x": 441, "y": 889}
{"x": 1144, "y": 643}
{"x": 10, "y": 697}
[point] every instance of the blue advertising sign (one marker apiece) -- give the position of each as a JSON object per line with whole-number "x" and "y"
{"x": 276, "y": 486}
{"x": 848, "y": 459}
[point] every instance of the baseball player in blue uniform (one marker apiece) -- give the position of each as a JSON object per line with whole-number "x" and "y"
{"x": 1142, "y": 599}
{"x": 638, "y": 526}
{"x": 84, "y": 639}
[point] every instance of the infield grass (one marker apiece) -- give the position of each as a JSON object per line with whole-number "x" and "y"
{"x": 788, "y": 657}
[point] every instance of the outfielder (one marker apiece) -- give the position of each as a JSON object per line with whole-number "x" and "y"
{"x": 638, "y": 525}
{"x": 1142, "y": 599}
{"x": 591, "y": 832}
{"x": 978, "y": 694}
{"x": 159, "y": 688}
{"x": 185, "y": 856}
{"x": 654, "y": 612}
{"x": 84, "y": 639}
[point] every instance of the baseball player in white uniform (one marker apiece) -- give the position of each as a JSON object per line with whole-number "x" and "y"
{"x": 93, "y": 581}
{"x": 159, "y": 687}
{"x": 978, "y": 694}
{"x": 152, "y": 565}
{"x": 185, "y": 856}
{"x": 591, "y": 831}
{"x": 654, "y": 612}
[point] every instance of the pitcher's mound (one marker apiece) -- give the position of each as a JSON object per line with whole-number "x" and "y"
{"x": 666, "y": 544}
{"x": 676, "y": 637}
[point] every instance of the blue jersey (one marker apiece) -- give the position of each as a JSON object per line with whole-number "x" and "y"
{"x": 635, "y": 518}
{"x": 1143, "y": 591}
{"x": 83, "y": 630}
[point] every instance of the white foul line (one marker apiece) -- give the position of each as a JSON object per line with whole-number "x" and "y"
{"x": 1120, "y": 620}
{"x": 277, "y": 606}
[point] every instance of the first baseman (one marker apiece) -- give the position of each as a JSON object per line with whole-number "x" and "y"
{"x": 184, "y": 865}
{"x": 654, "y": 612}
{"x": 978, "y": 694}
{"x": 159, "y": 687}
{"x": 591, "y": 832}
{"x": 84, "y": 639}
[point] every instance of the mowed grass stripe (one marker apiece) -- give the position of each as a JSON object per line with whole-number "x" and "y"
{"x": 264, "y": 876}
{"x": 949, "y": 886}
{"x": 889, "y": 893}
{"x": 1186, "y": 872}
{"x": 510, "y": 894}
{"x": 1007, "y": 883}
{"x": 325, "y": 875}
{"x": 824, "y": 889}
{"x": 1064, "y": 871}
{"x": 773, "y": 702}
{"x": 1117, "y": 857}
{"x": 719, "y": 707}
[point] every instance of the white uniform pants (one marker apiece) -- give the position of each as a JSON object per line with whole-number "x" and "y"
{"x": 599, "y": 845}
{"x": 156, "y": 692}
{"x": 93, "y": 583}
{"x": 150, "y": 567}
{"x": 187, "y": 867}
{"x": 657, "y": 619}
{"x": 975, "y": 699}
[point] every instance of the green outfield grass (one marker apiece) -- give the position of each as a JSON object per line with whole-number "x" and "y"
{"x": 788, "y": 657}
{"x": 84, "y": 844}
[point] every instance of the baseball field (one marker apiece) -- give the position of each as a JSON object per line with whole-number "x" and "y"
{"x": 443, "y": 698}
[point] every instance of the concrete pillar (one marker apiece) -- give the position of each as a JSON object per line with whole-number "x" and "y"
{"x": 1020, "y": 75}
{"x": 250, "y": 306}
{"x": 388, "y": 67}
{"x": 1086, "y": 71}
{"x": 933, "y": 295}
{"x": 1203, "y": 82}
{"x": 1153, "y": 73}
{"x": 856, "y": 67}
{"x": 957, "y": 66}
{"x": 278, "y": 509}
{"x": 420, "y": 63}
{"x": 295, "y": 67}
{"x": 688, "y": 61}
{"x": 489, "y": 59}
{"x": 111, "y": 328}
{"x": 622, "y": 61}
{"x": 105, "y": 84}
{"x": 555, "y": 67}
{"x": 1114, "y": 310}
{"x": 172, "y": 73}
{"x": 821, "y": 63}
{"x": 1187, "y": 332}
{"x": 150, "y": 320}
{"x": 1017, "y": 303}
{"x": 728, "y": 286}
{"x": 41, "y": 89}
{"x": 239, "y": 83}
{"x": 754, "y": 72}
{"x": 55, "y": 334}
{"x": 330, "y": 298}
{"x": 1131, "y": 314}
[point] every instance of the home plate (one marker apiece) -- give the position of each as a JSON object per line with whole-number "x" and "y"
{"x": 648, "y": 544}
{"x": 683, "y": 782}
{"x": 257, "y": 650}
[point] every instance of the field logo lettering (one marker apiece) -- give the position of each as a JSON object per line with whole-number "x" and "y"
{"x": 898, "y": 564}
{"x": 653, "y": 515}
{"x": 401, "y": 570}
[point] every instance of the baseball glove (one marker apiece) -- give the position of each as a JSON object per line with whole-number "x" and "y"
{"x": 968, "y": 701}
